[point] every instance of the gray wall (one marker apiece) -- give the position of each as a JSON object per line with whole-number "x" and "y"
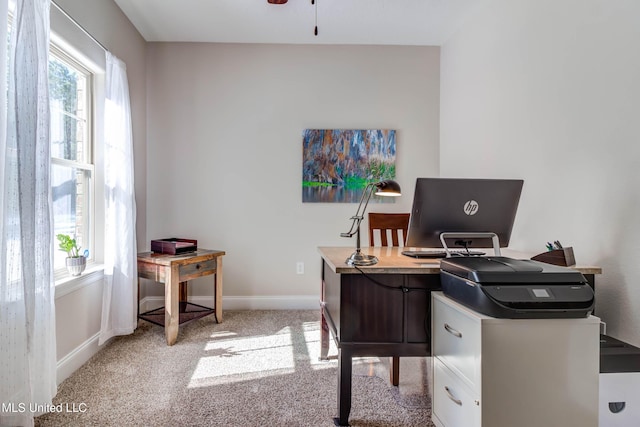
{"x": 225, "y": 126}
{"x": 545, "y": 91}
{"x": 548, "y": 91}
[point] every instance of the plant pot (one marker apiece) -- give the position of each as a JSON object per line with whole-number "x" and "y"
{"x": 76, "y": 265}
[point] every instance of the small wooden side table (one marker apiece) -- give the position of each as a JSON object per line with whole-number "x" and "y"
{"x": 174, "y": 271}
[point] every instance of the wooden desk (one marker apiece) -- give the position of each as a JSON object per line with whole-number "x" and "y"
{"x": 381, "y": 310}
{"x": 173, "y": 270}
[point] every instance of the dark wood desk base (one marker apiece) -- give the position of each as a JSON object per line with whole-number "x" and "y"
{"x": 373, "y": 315}
{"x": 382, "y": 310}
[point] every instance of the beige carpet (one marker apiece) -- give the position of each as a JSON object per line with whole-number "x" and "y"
{"x": 256, "y": 368}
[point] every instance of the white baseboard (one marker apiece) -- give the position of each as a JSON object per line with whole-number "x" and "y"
{"x": 151, "y": 303}
{"x": 75, "y": 359}
{"x": 281, "y": 302}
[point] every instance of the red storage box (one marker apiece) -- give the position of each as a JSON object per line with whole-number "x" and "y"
{"x": 174, "y": 246}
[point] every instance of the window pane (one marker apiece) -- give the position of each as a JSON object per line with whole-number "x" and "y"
{"x": 70, "y": 192}
{"x": 67, "y": 93}
{"x": 71, "y": 168}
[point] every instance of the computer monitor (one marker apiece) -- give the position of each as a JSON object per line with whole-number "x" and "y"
{"x": 463, "y": 205}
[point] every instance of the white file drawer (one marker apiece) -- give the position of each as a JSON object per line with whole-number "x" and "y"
{"x": 512, "y": 372}
{"x": 454, "y": 404}
{"x": 456, "y": 341}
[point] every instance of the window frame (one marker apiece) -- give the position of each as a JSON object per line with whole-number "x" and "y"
{"x": 88, "y": 163}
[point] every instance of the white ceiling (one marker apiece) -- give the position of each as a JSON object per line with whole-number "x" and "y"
{"x": 387, "y": 22}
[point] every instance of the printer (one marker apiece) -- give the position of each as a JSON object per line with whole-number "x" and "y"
{"x": 518, "y": 289}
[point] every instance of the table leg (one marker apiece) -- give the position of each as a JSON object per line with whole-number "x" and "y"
{"x": 183, "y": 291}
{"x": 138, "y": 303}
{"x": 183, "y": 298}
{"x": 394, "y": 370}
{"x": 218, "y": 290}
{"x": 324, "y": 326}
{"x": 344, "y": 387}
{"x": 324, "y": 335}
{"x": 171, "y": 304}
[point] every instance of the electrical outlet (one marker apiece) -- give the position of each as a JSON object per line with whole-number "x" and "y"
{"x": 300, "y": 267}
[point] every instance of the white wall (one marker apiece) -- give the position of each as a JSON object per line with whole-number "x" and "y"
{"x": 224, "y": 132}
{"x": 549, "y": 91}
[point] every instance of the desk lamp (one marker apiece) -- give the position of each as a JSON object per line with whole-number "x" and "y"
{"x": 382, "y": 188}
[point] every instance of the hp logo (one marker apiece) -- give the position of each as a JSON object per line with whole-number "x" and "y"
{"x": 471, "y": 207}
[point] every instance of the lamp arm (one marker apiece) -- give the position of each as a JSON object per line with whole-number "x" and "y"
{"x": 357, "y": 218}
{"x": 354, "y": 227}
{"x": 366, "y": 196}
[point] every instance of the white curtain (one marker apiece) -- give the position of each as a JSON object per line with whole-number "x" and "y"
{"x": 27, "y": 312}
{"x": 120, "y": 296}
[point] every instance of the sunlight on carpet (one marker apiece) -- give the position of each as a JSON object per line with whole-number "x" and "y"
{"x": 231, "y": 358}
{"x": 242, "y": 358}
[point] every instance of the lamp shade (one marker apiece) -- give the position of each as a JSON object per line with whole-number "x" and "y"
{"x": 388, "y": 187}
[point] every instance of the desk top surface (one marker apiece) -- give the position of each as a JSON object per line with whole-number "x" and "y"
{"x": 186, "y": 258}
{"x": 391, "y": 261}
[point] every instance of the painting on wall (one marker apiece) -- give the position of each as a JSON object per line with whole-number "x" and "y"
{"x": 337, "y": 164}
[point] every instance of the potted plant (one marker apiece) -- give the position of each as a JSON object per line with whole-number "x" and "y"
{"x": 75, "y": 262}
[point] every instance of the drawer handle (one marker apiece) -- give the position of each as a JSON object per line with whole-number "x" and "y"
{"x": 452, "y": 331}
{"x": 197, "y": 266}
{"x": 452, "y": 397}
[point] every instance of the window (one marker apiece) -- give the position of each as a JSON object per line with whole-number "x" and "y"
{"x": 72, "y": 142}
{"x": 72, "y": 169}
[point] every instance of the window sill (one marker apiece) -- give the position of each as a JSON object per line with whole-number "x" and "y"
{"x": 68, "y": 284}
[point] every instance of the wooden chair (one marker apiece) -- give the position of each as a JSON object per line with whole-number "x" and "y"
{"x": 395, "y": 223}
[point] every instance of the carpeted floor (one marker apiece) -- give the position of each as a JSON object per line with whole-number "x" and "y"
{"x": 256, "y": 368}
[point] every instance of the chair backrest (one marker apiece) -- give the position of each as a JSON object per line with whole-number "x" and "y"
{"x": 395, "y": 222}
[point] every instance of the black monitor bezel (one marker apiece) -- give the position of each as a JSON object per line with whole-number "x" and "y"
{"x": 430, "y": 192}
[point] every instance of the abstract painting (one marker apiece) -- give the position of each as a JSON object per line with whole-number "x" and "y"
{"x": 337, "y": 164}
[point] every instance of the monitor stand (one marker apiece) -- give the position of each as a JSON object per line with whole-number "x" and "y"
{"x": 458, "y": 235}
